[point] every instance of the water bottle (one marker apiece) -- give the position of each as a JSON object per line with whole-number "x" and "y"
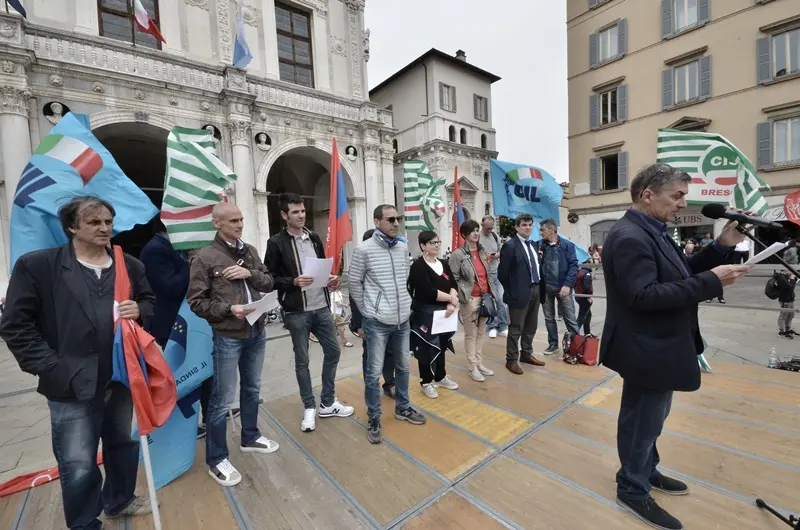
{"x": 774, "y": 362}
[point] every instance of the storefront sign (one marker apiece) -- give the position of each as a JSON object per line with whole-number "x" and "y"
{"x": 775, "y": 214}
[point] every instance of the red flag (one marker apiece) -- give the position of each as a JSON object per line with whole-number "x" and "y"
{"x": 458, "y": 214}
{"x": 791, "y": 207}
{"x": 144, "y": 22}
{"x": 31, "y": 480}
{"x": 340, "y": 231}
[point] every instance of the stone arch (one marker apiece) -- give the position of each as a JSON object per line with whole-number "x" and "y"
{"x": 113, "y": 116}
{"x": 287, "y": 146}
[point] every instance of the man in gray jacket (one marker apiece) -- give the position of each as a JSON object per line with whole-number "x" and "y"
{"x": 377, "y": 282}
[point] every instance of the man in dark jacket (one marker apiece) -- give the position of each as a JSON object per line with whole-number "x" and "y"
{"x": 307, "y": 311}
{"x": 559, "y": 270}
{"x": 59, "y": 324}
{"x": 651, "y": 335}
{"x": 224, "y": 277}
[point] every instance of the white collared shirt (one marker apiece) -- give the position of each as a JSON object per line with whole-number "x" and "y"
{"x": 535, "y": 263}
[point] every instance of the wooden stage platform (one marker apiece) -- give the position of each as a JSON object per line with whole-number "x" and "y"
{"x": 535, "y": 451}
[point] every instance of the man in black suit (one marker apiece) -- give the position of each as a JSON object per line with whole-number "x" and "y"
{"x": 519, "y": 275}
{"x": 651, "y": 335}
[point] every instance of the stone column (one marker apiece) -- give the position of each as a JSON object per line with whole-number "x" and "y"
{"x": 387, "y": 163}
{"x": 355, "y": 29}
{"x": 240, "y": 130}
{"x": 322, "y": 75}
{"x": 372, "y": 175}
{"x": 263, "y": 221}
{"x": 15, "y": 138}
{"x": 270, "y": 29}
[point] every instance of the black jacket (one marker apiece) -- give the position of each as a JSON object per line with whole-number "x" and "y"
{"x": 514, "y": 273}
{"x": 785, "y": 286}
{"x": 49, "y": 323}
{"x": 168, "y": 275}
{"x": 283, "y": 262}
{"x": 651, "y": 335}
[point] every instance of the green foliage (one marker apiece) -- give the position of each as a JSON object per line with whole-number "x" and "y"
{"x": 505, "y": 226}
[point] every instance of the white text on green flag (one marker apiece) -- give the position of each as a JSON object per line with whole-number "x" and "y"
{"x": 423, "y": 202}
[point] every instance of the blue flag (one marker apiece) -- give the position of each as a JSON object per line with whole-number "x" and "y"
{"x": 18, "y": 7}
{"x": 69, "y": 162}
{"x": 517, "y": 189}
{"x": 241, "y": 51}
{"x": 581, "y": 253}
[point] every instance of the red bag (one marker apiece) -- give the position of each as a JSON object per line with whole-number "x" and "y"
{"x": 584, "y": 350}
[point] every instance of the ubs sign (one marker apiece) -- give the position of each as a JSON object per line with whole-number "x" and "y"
{"x": 691, "y": 219}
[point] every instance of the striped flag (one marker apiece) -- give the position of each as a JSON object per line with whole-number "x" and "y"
{"x": 85, "y": 160}
{"x": 423, "y": 202}
{"x": 196, "y": 180}
{"x": 720, "y": 172}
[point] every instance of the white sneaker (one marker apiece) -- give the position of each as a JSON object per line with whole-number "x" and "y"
{"x": 336, "y": 409}
{"x": 485, "y": 371}
{"x": 309, "y": 422}
{"x": 430, "y": 391}
{"x": 476, "y": 374}
{"x": 492, "y": 333}
{"x": 225, "y": 474}
{"x": 504, "y": 333}
{"x": 447, "y": 383}
{"x": 261, "y": 445}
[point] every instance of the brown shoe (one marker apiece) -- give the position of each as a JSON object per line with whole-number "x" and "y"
{"x": 514, "y": 368}
{"x": 531, "y": 360}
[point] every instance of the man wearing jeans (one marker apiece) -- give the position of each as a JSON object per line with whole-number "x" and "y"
{"x": 377, "y": 282}
{"x": 224, "y": 277}
{"x": 306, "y": 310}
{"x": 491, "y": 244}
{"x": 559, "y": 270}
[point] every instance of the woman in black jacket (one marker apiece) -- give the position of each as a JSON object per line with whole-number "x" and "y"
{"x": 432, "y": 288}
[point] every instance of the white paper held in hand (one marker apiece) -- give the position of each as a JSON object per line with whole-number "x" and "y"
{"x": 320, "y": 270}
{"x": 444, "y": 324}
{"x": 267, "y": 303}
{"x": 767, "y": 252}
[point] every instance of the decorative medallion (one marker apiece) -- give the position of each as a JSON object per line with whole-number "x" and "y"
{"x": 99, "y": 88}
{"x": 138, "y": 94}
{"x": 56, "y": 80}
{"x": 202, "y": 4}
{"x": 205, "y": 105}
{"x": 337, "y": 46}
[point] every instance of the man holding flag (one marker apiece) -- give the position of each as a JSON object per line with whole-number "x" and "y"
{"x": 59, "y": 324}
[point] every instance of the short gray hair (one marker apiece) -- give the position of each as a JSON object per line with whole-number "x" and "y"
{"x": 549, "y": 223}
{"x": 71, "y": 213}
{"x": 656, "y": 177}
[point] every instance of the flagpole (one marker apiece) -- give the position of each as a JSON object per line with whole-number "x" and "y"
{"x": 6, "y": 7}
{"x": 133, "y": 22}
{"x": 148, "y": 473}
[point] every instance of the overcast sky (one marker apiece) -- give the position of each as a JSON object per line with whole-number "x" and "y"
{"x": 522, "y": 41}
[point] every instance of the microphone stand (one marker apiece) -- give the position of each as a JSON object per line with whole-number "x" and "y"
{"x": 749, "y": 233}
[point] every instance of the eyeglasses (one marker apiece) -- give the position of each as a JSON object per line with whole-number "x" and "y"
{"x": 435, "y": 243}
{"x": 392, "y": 220}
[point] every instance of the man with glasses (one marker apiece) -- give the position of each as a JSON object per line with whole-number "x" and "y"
{"x": 377, "y": 281}
{"x": 651, "y": 335}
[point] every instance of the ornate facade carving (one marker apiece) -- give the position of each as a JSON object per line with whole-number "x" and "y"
{"x": 355, "y": 5}
{"x": 251, "y": 15}
{"x": 205, "y": 106}
{"x": 371, "y": 152}
{"x": 98, "y": 87}
{"x": 8, "y": 67}
{"x": 365, "y": 44}
{"x": 338, "y": 46}
{"x": 138, "y": 94}
{"x": 387, "y": 154}
{"x": 224, "y": 26}
{"x": 202, "y": 4}
{"x": 11, "y": 31}
{"x": 240, "y": 132}
{"x": 14, "y": 101}
{"x": 355, "y": 54}
{"x": 56, "y": 80}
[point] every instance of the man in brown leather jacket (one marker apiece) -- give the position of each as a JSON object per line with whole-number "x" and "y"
{"x": 224, "y": 277}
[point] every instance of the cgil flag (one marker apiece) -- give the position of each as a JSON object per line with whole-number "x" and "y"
{"x": 241, "y": 50}
{"x": 423, "y": 202}
{"x": 196, "y": 180}
{"x": 720, "y": 172}
{"x": 340, "y": 230}
{"x": 144, "y": 22}
{"x": 70, "y": 162}
{"x": 458, "y": 214}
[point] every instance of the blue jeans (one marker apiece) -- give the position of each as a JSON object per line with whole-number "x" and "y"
{"x": 246, "y": 355}
{"x": 642, "y": 414}
{"x": 500, "y": 322}
{"x": 388, "y": 366}
{"x": 320, "y": 323}
{"x": 378, "y": 336}
{"x": 77, "y": 428}
{"x": 566, "y": 308}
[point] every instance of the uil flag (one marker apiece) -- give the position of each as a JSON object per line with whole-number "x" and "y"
{"x": 144, "y": 22}
{"x": 340, "y": 231}
{"x": 458, "y": 214}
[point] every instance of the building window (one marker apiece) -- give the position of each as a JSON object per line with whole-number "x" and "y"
{"x": 295, "y": 60}
{"x": 608, "y": 172}
{"x": 685, "y": 13}
{"x": 447, "y": 97}
{"x": 609, "y": 43}
{"x": 452, "y": 133}
{"x": 786, "y": 53}
{"x": 116, "y": 22}
{"x": 487, "y": 209}
{"x": 394, "y": 145}
{"x": 485, "y": 181}
{"x": 481, "y": 108}
{"x": 464, "y": 136}
{"x": 687, "y": 82}
{"x": 786, "y": 141}
{"x": 608, "y": 107}
{"x": 483, "y": 141}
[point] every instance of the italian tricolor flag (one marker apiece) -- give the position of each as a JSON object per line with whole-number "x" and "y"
{"x": 85, "y": 160}
{"x": 524, "y": 173}
{"x": 144, "y": 22}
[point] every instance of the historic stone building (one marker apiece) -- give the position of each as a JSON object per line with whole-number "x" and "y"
{"x": 306, "y": 84}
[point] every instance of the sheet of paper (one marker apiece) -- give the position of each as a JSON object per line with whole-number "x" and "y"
{"x": 320, "y": 270}
{"x": 268, "y": 302}
{"x": 767, "y": 252}
{"x": 443, "y": 324}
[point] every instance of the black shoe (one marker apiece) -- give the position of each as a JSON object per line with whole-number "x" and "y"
{"x": 786, "y": 334}
{"x": 721, "y": 300}
{"x": 651, "y": 513}
{"x": 410, "y": 415}
{"x": 374, "y": 431}
{"x": 551, "y": 349}
{"x": 668, "y": 485}
{"x": 236, "y": 412}
{"x": 389, "y": 391}
{"x": 201, "y": 431}
{"x": 792, "y": 332}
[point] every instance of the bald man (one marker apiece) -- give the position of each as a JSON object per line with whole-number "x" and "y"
{"x": 224, "y": 277}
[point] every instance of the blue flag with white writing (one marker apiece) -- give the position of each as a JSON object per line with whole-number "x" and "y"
{"x": 70, "y": 162}
{"x": 519, "y": 188}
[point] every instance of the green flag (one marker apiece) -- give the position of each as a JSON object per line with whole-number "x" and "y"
{"x": 423, "y": 202}
{"x": 720, "y": 172}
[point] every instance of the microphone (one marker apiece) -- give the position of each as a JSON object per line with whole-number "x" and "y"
{"x": 718, "y": 211}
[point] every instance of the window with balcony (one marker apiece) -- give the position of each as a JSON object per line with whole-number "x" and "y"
{"x": 295, "y": 59}
{"x": 481, "y": 108}
{"x": 116, "y": 22}
{"x": 786, "y": 141}
{"x": 447, "y": 97}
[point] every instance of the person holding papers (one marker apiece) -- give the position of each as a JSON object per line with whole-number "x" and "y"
{"x": 433, "y": 290}
{"x": 307, "y": 309}
{"x": 223, "y": 278}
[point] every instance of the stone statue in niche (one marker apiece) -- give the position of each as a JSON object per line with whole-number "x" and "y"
{"x": 54, "y": 111}
{"x": 351, "y": 153}
{"x": 365, "y": 39}
{"x": 263, "y": 141}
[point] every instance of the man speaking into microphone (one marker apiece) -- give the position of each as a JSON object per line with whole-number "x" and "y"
{"x": 651, "y": 335}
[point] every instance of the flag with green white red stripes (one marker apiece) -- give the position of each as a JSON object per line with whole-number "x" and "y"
{"x": 195, "y": 181}
{"x": 423, "y": 202}
{"x": 720, "y": 172}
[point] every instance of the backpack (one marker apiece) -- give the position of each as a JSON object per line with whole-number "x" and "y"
{"x": 771, "y": 289}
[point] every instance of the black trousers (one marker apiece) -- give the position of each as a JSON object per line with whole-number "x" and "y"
{"x": 641, "y": 418}
{"x": 522, "y": 324}
{"x": 431, "y": 365}
{"x": 584, "y": 315}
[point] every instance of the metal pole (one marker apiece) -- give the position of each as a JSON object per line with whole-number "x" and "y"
{"x": 151, "y": 487}
{"x": 6, "y": 2}
{"x": 133, "y": 22}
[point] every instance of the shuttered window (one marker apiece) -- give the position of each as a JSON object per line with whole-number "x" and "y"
{"x": 608, "y": 44}
{"x": 295, "y": 60}
{"x": 686, "y": 82}
{"x": 447, "y": 97}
